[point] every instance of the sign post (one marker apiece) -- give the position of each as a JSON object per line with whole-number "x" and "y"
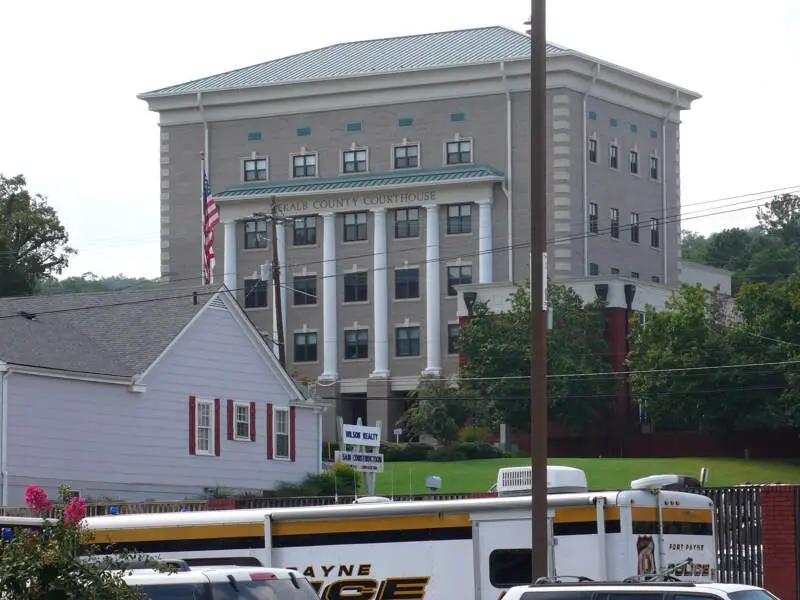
{"x": 360, "y": 449}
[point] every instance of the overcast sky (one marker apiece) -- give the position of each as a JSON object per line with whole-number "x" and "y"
{"x": 71, "y": 123}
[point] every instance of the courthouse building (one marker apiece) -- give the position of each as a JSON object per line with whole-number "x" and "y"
{"x": 400, "y": 167}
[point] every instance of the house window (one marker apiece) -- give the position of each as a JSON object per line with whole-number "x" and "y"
{"x": 305, "y": 347}
{"x": 614, "y": 271}
{"x": 654, "y": 233}
{"x": 459, "y": 153}
{"x": 459, "y": 219}
{"x": 613, "y": 156}
{"x": 593, "y": 218}
{"x": 634, "y": 275}
{"x": 242, "y": 422}
{"x": 406, "y": 157}
{"x": 305, "y": 231}
{"x": 204, "y": 427}
{"x": 635, "y": 227}
{"x": 255, "y": 293}
{"x": 614, "y": 217}
{"x": 407, "y": 341}
{"x": 255, "y": 169}
{"x": 594, "y": 269}
{"x": 406, "y": 223}
{"x": 406, "y": 283}
{"x": 255, "y": 235}
{"x": 592, "y": 151}
{"x": 653, "y": 167}
{"x": 655, "y": 279}
{"x": 304, "y": 165}
{"x": 453, "y": 332}
{"x": 633, "y": 160}
{"x": 356, "y": 344}
{"x": 355, "y": 287}
{"x": 354, "y": 161}
{"x": 458, "y": 276}
{"x": 282, "y": 432}
{"x": 305, "y": 290}
{"x": 355, "y": 227}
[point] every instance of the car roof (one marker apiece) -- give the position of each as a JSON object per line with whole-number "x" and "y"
{"x": 593, "y": 586}
{"x": 203, "y": 574}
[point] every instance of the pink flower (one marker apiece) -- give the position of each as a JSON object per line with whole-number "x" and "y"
{"x": 75, "y": 511}
{"x": 36, "y": 498}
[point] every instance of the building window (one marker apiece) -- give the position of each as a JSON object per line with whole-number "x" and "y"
{"x": 304, "y": 165}
{"x": 594, "y": 269}
{"x": 355, "y": 227}
{"x": 459, "y": 153}
{"x": 355, "y": 287}
{"x": 654, "y": 233}
{"x": 459, "y": 275}
{"x": 635, "y": 227}
{"x": 613, "y": 156}
{"x": 354, "y": 161}
{"x": 305, "y": 231}
{"x": 305, "y": 347}
{"x": 614, "y": 271}
{"x": 204, "y": 427}
{"x": 633, "y": 160}
{"x": 593, "y": 218}
{"x": 282, "y": 432}
{"x": 255, "y": 235}
{"x": 406, "y": 223}
{"x": 459, "y": 219}
{"x": 255, "y": 169}
{"x": 406, "y": 284}
{"x": 406, "y": 157}
{"x": 305, "y": 290}
{"x": 241, "y": 427}
{"x": 407, "y": 341}
{"x": 592, "y": 151}
{"x": 356, "y": 344}
{"x": 653, "y": 167}
{"x": 453, "y": 333}
{"x": 634, "y": 275}
{"x": 614, "y": 217}
{"x": 255, "y": 293}
{"x": 655, "y": 279}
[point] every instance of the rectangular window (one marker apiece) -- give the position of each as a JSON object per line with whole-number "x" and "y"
{"x": 255, "y": 169}
{"x": 354, "y": 161}
{"x": 633, "y": 160}
{"x": 614, "y": 271}
{"x": 305, "y": 231}
{"x": 613, "y": 215}
{"x": 305, "y": 290}
{"x": 406, "y": 284}
{"x": 356, "y": 344}
{"x": 255, "y": 293}
{"x": 453, "y": 332}
{"x": 655, "y": 279}
{"x": 204, "y": 428}
{"x": 304, "y": 165}
{"x": 305, "y": 347}
{"x": 282, "y": 432}
{"x": 355, "y": 227}
{"x": 654, "y": 233}
{"x": 458, "y": 276}
{"x": 459, "y": 219}
{"x": 634, "y": 275}
{"x": 613, "y": 156}
{"x": 594, "y": 269}
{"x": 510, "y": 567}
{"x": 406, "y": 223}
{"x": 635, "y": 227}
{"x": 653, "y": 167}
{"x": 593, "y": 218}
{"x": 406, "y": 157}
{"x": 592, "y": 151}
{"x": 407, "y": 341}
{"x": 255, "y": 234}
{"x": 459, "y": 153}
{"x": 355, "y": 287}
{"x": 242, "y": 423}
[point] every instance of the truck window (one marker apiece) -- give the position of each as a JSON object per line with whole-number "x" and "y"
{"x": 176, "y": 591}
{"x": 629, "y": 596}
{"x": 571, "y": 595}
{"x": 275, "y": 589}
{"x": 752, "y": 595}
{"x": 510, "y": 567}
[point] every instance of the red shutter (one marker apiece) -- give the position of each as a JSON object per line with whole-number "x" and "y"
{"x": 269, "y": 432}
{"x": 230, "y": 419}
{"x": 292, "y": 421}
{"x": 217, "y": 441}
{"x": 192, "y": 425}
{"x": 252, "y": 421}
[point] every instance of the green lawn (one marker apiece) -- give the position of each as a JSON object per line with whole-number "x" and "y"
{"x": 602, "y": 473}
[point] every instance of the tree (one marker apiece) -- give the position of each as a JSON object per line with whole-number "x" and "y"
{"x": 89, "y": 282}
{"x": 33, "y": 242}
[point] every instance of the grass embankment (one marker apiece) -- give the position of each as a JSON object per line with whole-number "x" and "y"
{"x": 602, "y": 473}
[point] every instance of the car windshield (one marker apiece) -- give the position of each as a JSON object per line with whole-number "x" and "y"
{"x": 281, "y": 589}
{"x": 752, "y": 595}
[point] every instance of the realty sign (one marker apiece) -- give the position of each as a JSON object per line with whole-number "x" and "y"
{"x": 361, "y": 435}
{"x": 361, "y": 461}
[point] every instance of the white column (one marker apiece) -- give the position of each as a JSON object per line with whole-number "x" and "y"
{"x": 433, "y": 293}
{"x": 281, "y": 239}
{"x": 485, "y": 241}
{"x": 330, "y": 334}
{"x": 229, "y": 275}
{"x": 380, "y": 295}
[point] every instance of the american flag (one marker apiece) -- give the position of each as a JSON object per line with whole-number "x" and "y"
{"x": 210, "y": 220}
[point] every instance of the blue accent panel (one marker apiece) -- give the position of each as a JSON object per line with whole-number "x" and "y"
{"x": 405, "y": 122}
{"x": 592, "y": 115}
{"x": 613, "y": 122}
{"x": 654, "y": 134}
{"x": 456, "y": 117}
{"x": 354, "y": 126}
{"x": 254, "y": 136}
{"x": 634, "y": 128}
{"x": 303, "y": 131}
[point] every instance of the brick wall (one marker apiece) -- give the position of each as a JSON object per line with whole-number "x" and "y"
{"x": 779, "y": 537}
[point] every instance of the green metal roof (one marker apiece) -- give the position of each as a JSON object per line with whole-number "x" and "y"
{"x": 345, "y": 183}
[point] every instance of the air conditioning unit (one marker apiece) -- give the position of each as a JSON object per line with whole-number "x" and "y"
{"x": 516, "y": 481}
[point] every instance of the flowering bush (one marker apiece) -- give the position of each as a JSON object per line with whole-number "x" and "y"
{"x": 46, "y": 563}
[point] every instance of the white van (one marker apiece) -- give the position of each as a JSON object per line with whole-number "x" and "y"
{"x": 594, "y": 590}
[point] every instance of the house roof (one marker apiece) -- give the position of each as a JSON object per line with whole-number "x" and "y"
{"x": 459, "y": 174}
{"x": 373, "y": 57}
{"x": 106, "y": 333}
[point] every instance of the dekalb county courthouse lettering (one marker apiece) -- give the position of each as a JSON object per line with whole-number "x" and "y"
{"x": 401, "y": 168}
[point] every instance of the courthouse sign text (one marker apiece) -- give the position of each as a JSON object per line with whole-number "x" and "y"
{"x": 348, "y": 203}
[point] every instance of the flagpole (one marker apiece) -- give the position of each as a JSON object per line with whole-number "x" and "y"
{"x": 202, "y": 218}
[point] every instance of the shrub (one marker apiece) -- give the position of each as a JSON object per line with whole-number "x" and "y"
{"x": 412, "y": 452}
{"x": 466, "y": 451}
{"x": 473, "y": 434}
{"x": 450, "y": 453}
{"x": 341, "y": 479}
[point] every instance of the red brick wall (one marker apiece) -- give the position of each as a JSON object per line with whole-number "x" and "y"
{"x": 779, "y": 537}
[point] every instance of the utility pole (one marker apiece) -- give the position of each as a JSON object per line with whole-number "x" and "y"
{"x": 538, "y": 118}
{"x": 276, "y": 282}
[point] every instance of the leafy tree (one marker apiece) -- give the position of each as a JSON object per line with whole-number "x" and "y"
{"x": 89, "y": 282}
{"x": 33, "y": 242}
